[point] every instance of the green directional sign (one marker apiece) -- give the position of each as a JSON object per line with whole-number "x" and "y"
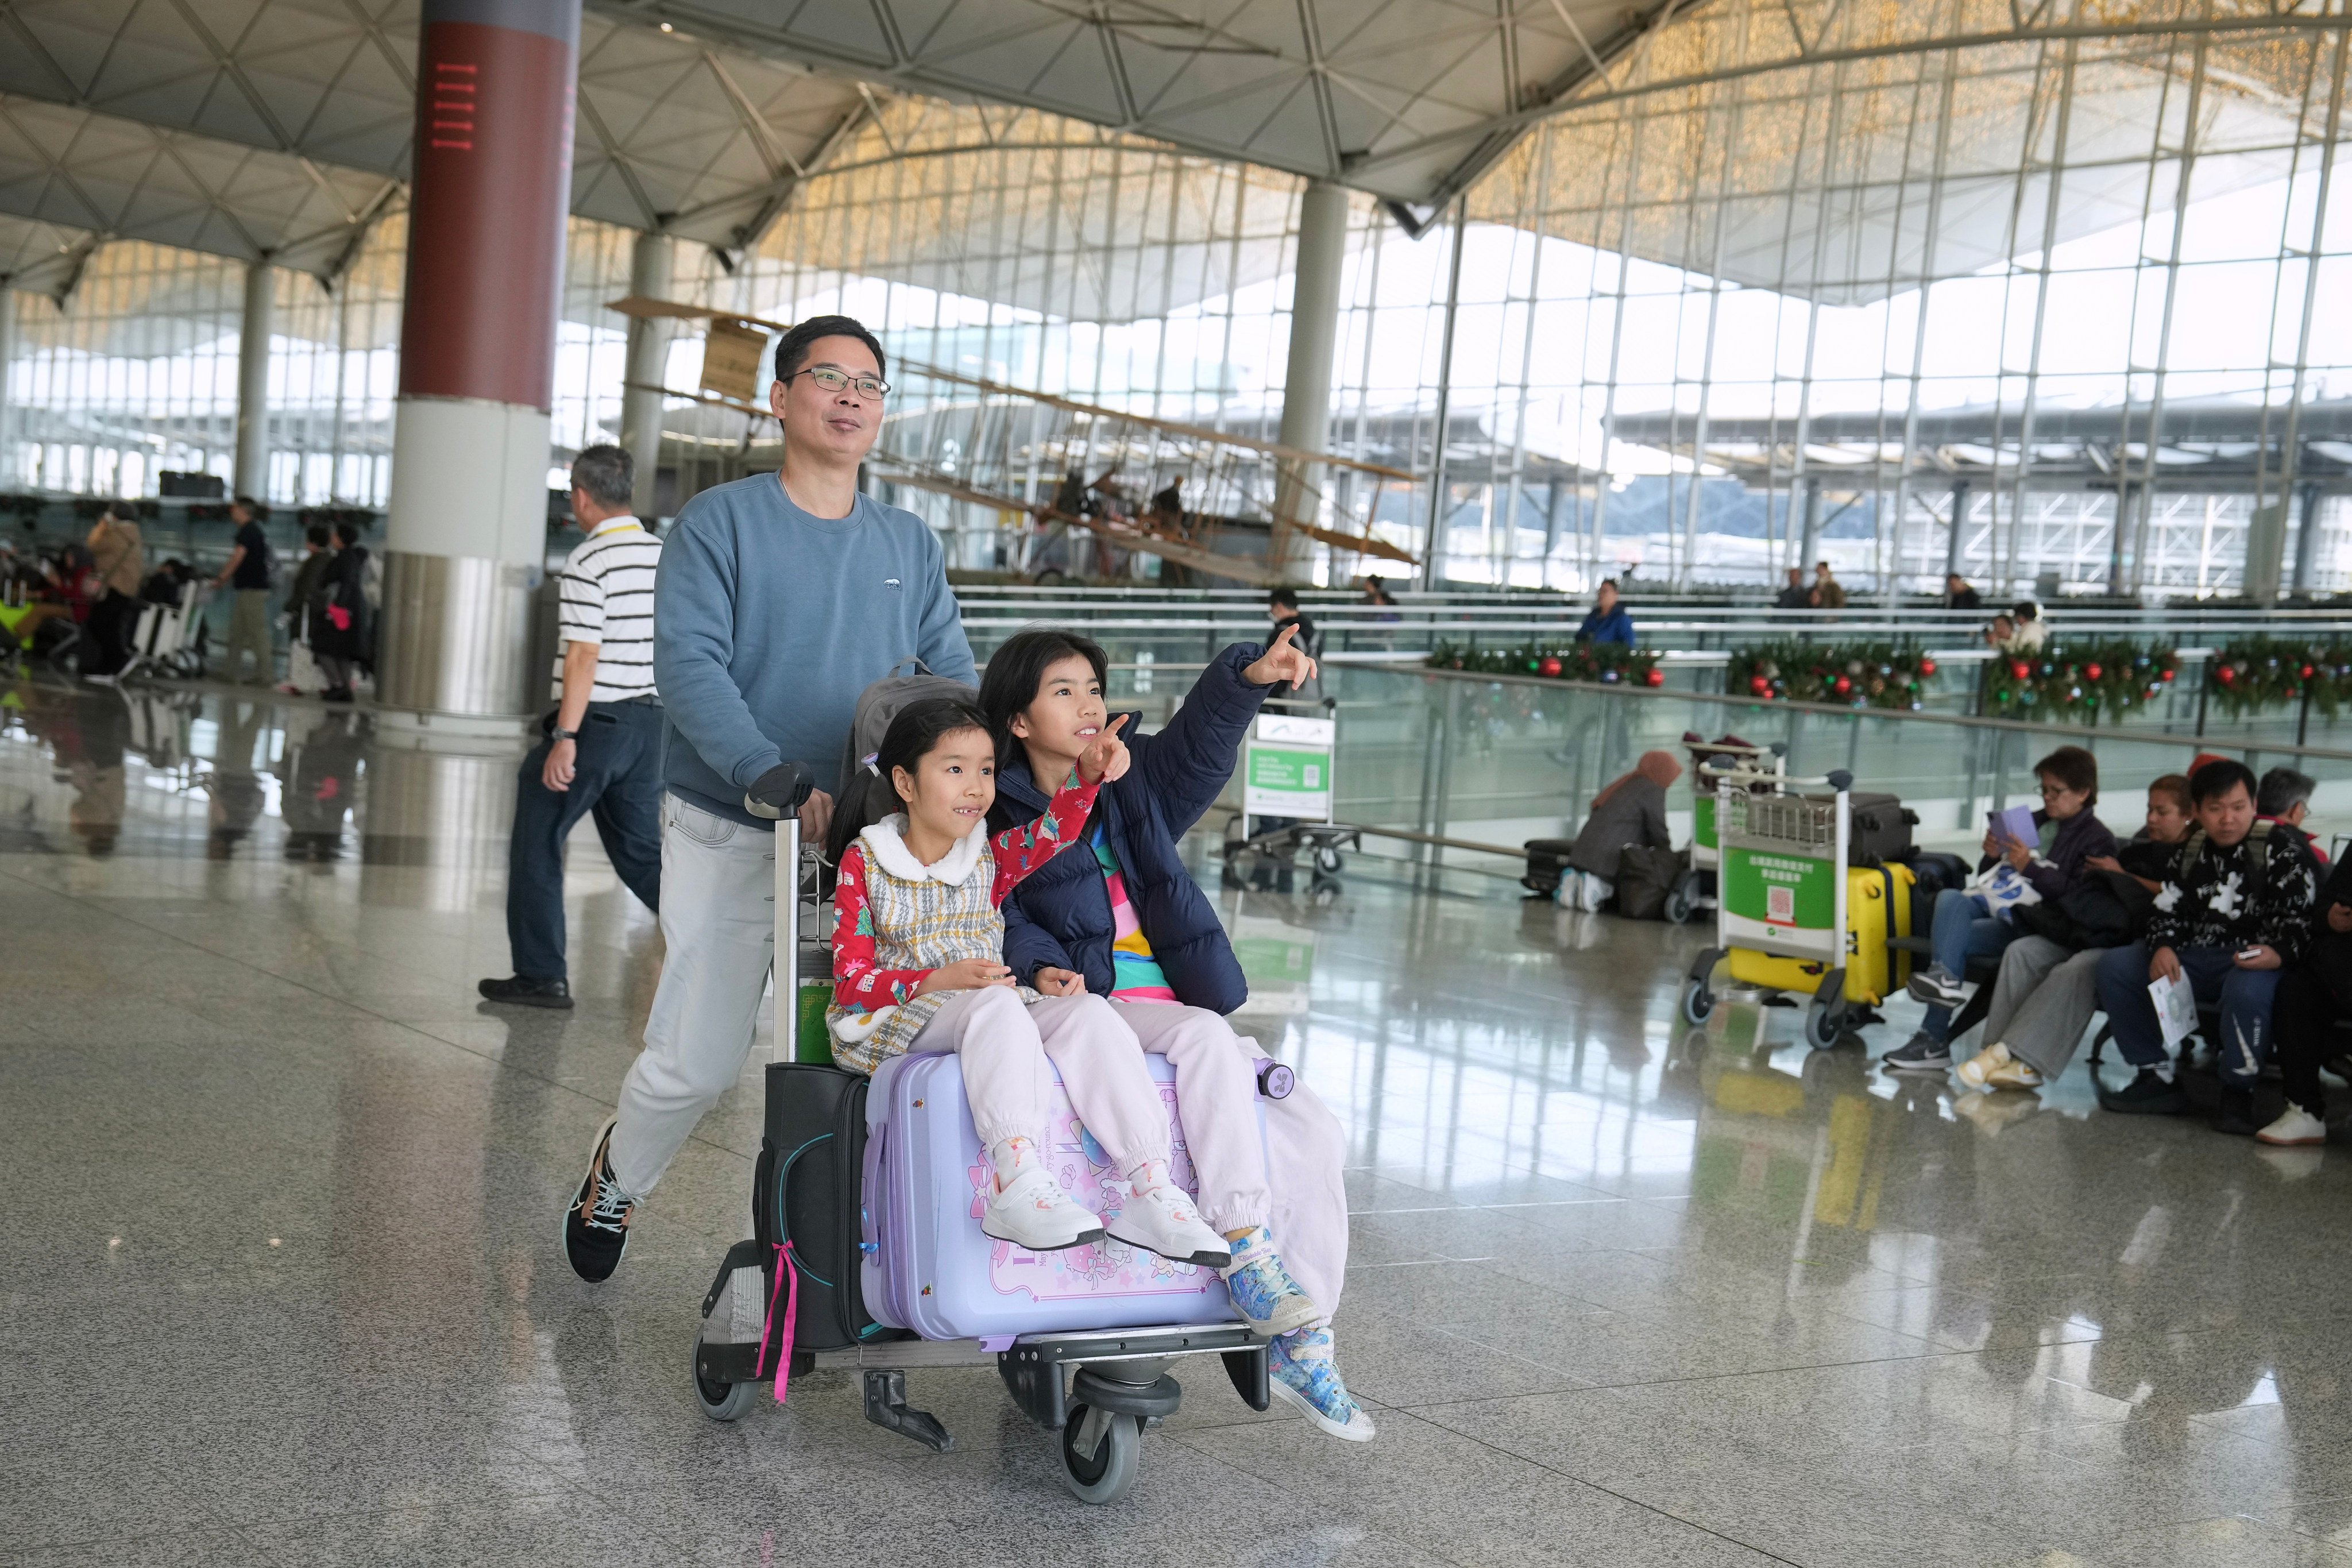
{"x": 1792, "y": 891}
{"x": 1287, "y": 780}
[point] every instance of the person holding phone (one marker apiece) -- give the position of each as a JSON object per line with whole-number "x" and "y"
{"x": 2234, "y": 913}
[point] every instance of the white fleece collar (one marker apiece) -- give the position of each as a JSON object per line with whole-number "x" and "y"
{"x": 886, "y": 842}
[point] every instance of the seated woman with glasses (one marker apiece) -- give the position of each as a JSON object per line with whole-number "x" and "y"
{"x": 2066, "y": 834}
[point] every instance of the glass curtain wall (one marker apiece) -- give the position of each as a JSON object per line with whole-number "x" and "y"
{"x": 1788, "y": 281}
{"x": 2071, "y": 306}
{"x": 135, "y": 371}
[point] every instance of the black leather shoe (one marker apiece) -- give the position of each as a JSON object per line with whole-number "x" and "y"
{"x": 525, "y": 992}
{"x": 2145, "y": 1095}
{"x": 2236, "y": 1116}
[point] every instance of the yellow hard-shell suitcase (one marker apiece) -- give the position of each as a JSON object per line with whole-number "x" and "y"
{"x": 1877, "y": 906}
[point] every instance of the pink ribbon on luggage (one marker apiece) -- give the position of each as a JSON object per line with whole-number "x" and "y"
{"x": 788, "y": 1281}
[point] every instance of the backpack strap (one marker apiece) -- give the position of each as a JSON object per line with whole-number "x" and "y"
{"x": 2258, "y": 867}
{"x": 2191, "y": 847}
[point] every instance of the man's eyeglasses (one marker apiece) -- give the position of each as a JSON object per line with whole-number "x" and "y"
{"x": 832, "y": 380}
{"x": 2051, "y": 792}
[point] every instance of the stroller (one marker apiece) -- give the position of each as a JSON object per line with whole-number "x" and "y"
{"x": 865, "y": 1256}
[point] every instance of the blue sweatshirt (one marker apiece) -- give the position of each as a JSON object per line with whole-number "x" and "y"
{"x": 769, "y": 622}
{"x": 1614, "y": 626}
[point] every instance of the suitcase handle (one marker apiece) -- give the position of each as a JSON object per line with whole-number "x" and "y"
{"x": 784, "y": 1185}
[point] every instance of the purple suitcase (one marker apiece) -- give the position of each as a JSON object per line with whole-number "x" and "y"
{"x": 929, "y": 1267}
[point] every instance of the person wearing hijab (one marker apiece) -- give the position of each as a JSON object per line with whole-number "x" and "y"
{"x": 1631, "y": 810}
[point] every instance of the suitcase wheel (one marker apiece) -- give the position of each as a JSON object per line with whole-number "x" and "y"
{"x": 1100, "y": 1452}
{"x": 722, "y": 1401}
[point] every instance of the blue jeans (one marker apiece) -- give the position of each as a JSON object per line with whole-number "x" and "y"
{"x": 2244, "y": 995}
{"x": 1962, "y": 930}
{"x": 617, "y": 776}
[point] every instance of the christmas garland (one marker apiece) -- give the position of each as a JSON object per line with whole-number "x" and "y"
{"x": 1604, "y": 664}
{"x": 1854, "y": 675}
{"x": 2078, "y": 680}
{"x": 2256, "y": 673}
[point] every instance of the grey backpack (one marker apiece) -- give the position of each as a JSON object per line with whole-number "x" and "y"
{"x": 864, "y": 796}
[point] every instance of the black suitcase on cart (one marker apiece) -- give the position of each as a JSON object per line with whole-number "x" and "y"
{"x": 1881, "y": 828}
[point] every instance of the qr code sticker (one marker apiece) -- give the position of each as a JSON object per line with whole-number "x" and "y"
{"x": 1780, "y": 905}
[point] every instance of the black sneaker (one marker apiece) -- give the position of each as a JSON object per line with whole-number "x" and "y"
{"x": 1920, "y": 1053}
{"x": 2235, "y": 1115}
{"x": 597, "y": 1224}
{"x": 2146, "y": 1095}
{"x": 524, "y": 992}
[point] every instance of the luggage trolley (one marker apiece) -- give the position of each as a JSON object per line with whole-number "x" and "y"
{"x": 1794, "y": 915}
{"x": 1289, "y": 773}
{"x": 1099, "y": 1389}
{"x": 1695, "y": 893}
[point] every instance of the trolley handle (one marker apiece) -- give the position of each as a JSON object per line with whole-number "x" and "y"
{"x": 1837, "y": 779}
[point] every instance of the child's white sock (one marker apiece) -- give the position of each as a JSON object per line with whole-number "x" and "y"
{"x": 1010, "y": 1155}
{"x": 1147, "y": 1174}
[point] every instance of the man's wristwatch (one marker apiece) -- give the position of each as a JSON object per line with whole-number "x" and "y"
{"x": 558, "y": 732}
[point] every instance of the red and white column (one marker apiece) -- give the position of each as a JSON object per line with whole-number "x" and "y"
{"x": 490, "y": 191}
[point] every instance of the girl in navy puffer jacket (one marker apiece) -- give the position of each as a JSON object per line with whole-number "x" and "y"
{"x": 1129, "y": 923}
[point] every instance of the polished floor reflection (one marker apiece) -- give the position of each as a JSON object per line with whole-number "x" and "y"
{"x": 281, "y": 1280}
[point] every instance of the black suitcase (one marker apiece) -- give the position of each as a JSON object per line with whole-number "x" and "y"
{"x": 1880, "y": 830}
{"x": 1547, "y": 862}
{"x": 807, "y": 1192}
{"x": 1932, "y": 873}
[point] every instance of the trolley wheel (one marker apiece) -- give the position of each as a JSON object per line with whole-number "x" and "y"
{"x": 1325, "y": 892}
{"x": 1824, "y": 1025}
{"x": 1327, "y": 862}
{"x": 1105, "y": 1477}
{"x": 1699, "y": 1002}
{"x": 722, "y": 1401}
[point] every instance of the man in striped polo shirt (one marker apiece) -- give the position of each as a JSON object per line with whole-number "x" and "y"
{"x": 602, "y": 749}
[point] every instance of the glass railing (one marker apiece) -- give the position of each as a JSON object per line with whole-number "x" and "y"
{"x": 1497, "y": 761}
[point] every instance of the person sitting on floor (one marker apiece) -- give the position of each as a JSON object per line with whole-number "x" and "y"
{"x": 1631, "y": 810}
{"x": 2235, "y": 911}
{"x": 2313, "y": 998}
{"x": 2067, "y": 834}
{"x": 2048, "y": 987}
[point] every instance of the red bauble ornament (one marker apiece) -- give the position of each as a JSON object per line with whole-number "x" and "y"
{"x": 1656, "y": 677}
{"x": 2167, "y": 675}
{"x": 2018, "y": 670}
{"x": 1927, "y": 667}
{"x": 1759, "y": 685}
{"x": 1841, "y": 686}
{"x": 1549, "y": 667}
{"x": 2225, "y": 674}
{"x": 2091, "y": 670}
{"x": 2306, "y": 672}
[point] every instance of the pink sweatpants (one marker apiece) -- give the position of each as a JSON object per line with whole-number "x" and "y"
{"x": 1290, "y": 1181}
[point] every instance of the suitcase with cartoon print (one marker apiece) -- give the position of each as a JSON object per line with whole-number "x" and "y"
{"x": 929, "y": 1267}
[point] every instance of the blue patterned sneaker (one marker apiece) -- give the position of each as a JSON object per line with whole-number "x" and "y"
{"x": 1300, "y": 1371}
{"x": 1269, "y": 1299}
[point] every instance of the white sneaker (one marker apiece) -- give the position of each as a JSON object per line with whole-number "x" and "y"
{"x": 1035, "y": 1213}
{"x": 2296, "y": 1126}
{"x": 1978, "y": 1067}
{"x": 1162, "y": 1219}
